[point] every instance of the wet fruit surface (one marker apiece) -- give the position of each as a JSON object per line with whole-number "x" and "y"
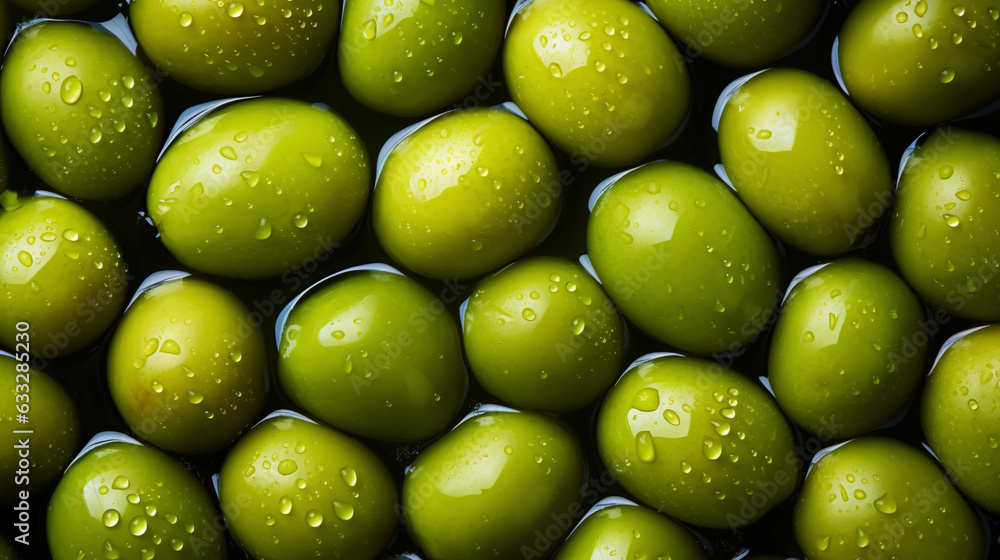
{"x": 630, "y": 532}
{"x": 944, "y": 244}
{"x": 601, "y": 80}
{"x": 123, "y": 500}
{"x": 466, "y": 193}
{"x": 847, "y": 351}
{"x": 542, "y": 334}
{"x": 959, "y": 412}
{"x": 373, "y": 353}
{"x": 235, "y": 47}
{"x": 698, "y": 442}
{"x": 80, "y": 109}
{"x": 61, "y": 272}
{"x": 447, "y": 46}
{"x": 186, "y": 370}
{"x": 457, "y": 494}
{"x": 924, "y": 62}
{"x": 260, "y": 187}
{"x": 683, "y": 259}
{"x": 880, "y": 494}
{"x": 301, "y": 490}
{"x": 804, "y": 161}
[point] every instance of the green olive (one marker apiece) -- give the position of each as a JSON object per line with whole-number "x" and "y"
{"x": 52, "y": 421}
{"x": 374, "y": 353}
{"x": 875, "y": 494}
{"x": 943, "y": 237}
{"x": 124, "y": 500}
{"x": 291, "y": 488}
{"x": 62, "y": 272}
{"x": 599, "y": 78}
{"x": 804, "y": 160}
{"x": 629, "y": 532}
{"x": 683, "y": 259}
{"x": 738, "y": 33}
{"x": 488, "y": 488}
{"x": 542, "y": 334}
{"x": 235, "y": 47}
{"x": 81, "y": 109}
{"x": 466, "y": 193}
{"x": 259, "y": 187}
{"x": 414, "y": 56}
{"x": 186, "y": 368}
{"x": 697, "y": 441}
{"x": 961, "y": 414}
{"x": 848, "y": 350}
{"x": 924, "y": 62}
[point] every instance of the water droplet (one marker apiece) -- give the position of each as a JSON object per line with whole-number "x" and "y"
{"x": 228, "y": 152}
{"x": 176, "y": 544}
{"x": 719, "y": 307}
{"x": 170, "y": 347}
{"x": 963, "y": 195}
{"x": 644, "y": 447}
{"x": 578, "y": 325}
{"x": 860, "y": 494}
{"x": 946, "y": 75}
{"x": 314, "y": 518}
{"x": 946, "y": 171}
{"x": 951, "y": 220}
{"x": 186, "y": 19}
{"x": 712, "y": 449}
{"x": 528, "y": 314}
{"x": 110, "y": 518}
{"x": 285, "y": 505}
{"x": 194, "y": 397}
{"x": 312, "y": 159}
{"x": 918, "y": 31}
{"x": 555, "y": 70}
{"x": 921, "y": 8}
{"x": 25, "y": 258}
{"x": 397, "y": 76}
{"x": 235, "y": 10}
{"x": 901, "y": 17}
{"x": 349, "y": 475}
{"x": 150, "y": 347}
{"x": 157, "y": 386}
{"x": 508, "y": 450}
{"x": 764, "y": 134}
{"x": 343, "y": 511}
{"x": 456, "y": 37}
{"x": 263, "y": 230}
{"x": 886, "y": 504}
{"x": 120, "y": 483}
{"x": 808, "y": 337}
{"x": 671, "y": 417}
{"x": 973, "y": 404}
{"x": 300, "y": 221}
{"x": 646, "y": 399}
{"x": 862, "y": 540}
{"x": 71, "y": 90}
{"x": 70, "y": 235}
{"x": 137, "y": 526}
{"x": 958, "y": 11}
{"x": 823, "y": 543}
{"x": 287, "y": 467}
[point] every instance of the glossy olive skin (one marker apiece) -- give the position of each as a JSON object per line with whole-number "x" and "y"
{"x": 466, "y": 193}
{"x": 375, "y": 354}
{"x": 848, "y": 349}
{"x": 814, "y": 190}
{"x": 186, "y": 368}
{"x": 738, "y": 33}
{"x": 62, "y": 272}
{"x": 694, "y": 286}
{"x": 960, "y": 414}
{"x": 54, "y": 8}
{"x": 81, "y": 109}
{"x": 259, "y": 187}
{"x": 127, "y": 500}
{"x": 486, "y": 487}
{"x": 542, "y": 334}
{"x": 944, "y": 241}
{"x": 600, "y": 79}
{"x": 51, "y": 416}
{"x": 693, "y": 439}
{"x": 878, "y": 492}
{"x": 412, "y": 57}
{"x": 921, "y": 63}
{"x": 301, "y": 490}
{"x": 235, "y": 47}
{"x": 629, "y": 532}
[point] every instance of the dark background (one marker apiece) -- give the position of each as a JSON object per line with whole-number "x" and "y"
{"x": 84, "y": 374}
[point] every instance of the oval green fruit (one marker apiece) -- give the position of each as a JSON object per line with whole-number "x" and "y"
{"x": 697, "y": 441}
{"x": 81, "y": 109}
{"x": 629, "y": 531}
{"x": 683, "y": 259}
{"x": 848, "y": 349}
{"x": 259, "y": 187}
{"x": 186, "y": 368}
{"x": 945, "y": 243}
{"x": 542, "y": 334}
{"x": 600, "y": 79}
{"x": 961, "y": 413}
{"x": 804, "y": 161}
{"x": 52, "y": 420}
{"x": 466, "y": 193}
{"x": 61, "y": 271}
{"x": 877, "y": 494}
{"x": 235, "y": 47}
{"x": 374, "y": 353}
{"x": 738, "y": 33}
{"x": 921, "y": 63}
{"x": 487, "y": 487}
{"x": 125, "y": 500}
{"x": 412, "y": 57}
{"x": 291, "y": 488}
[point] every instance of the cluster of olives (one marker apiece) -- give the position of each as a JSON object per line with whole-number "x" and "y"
{"x": 263, "y": 311}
